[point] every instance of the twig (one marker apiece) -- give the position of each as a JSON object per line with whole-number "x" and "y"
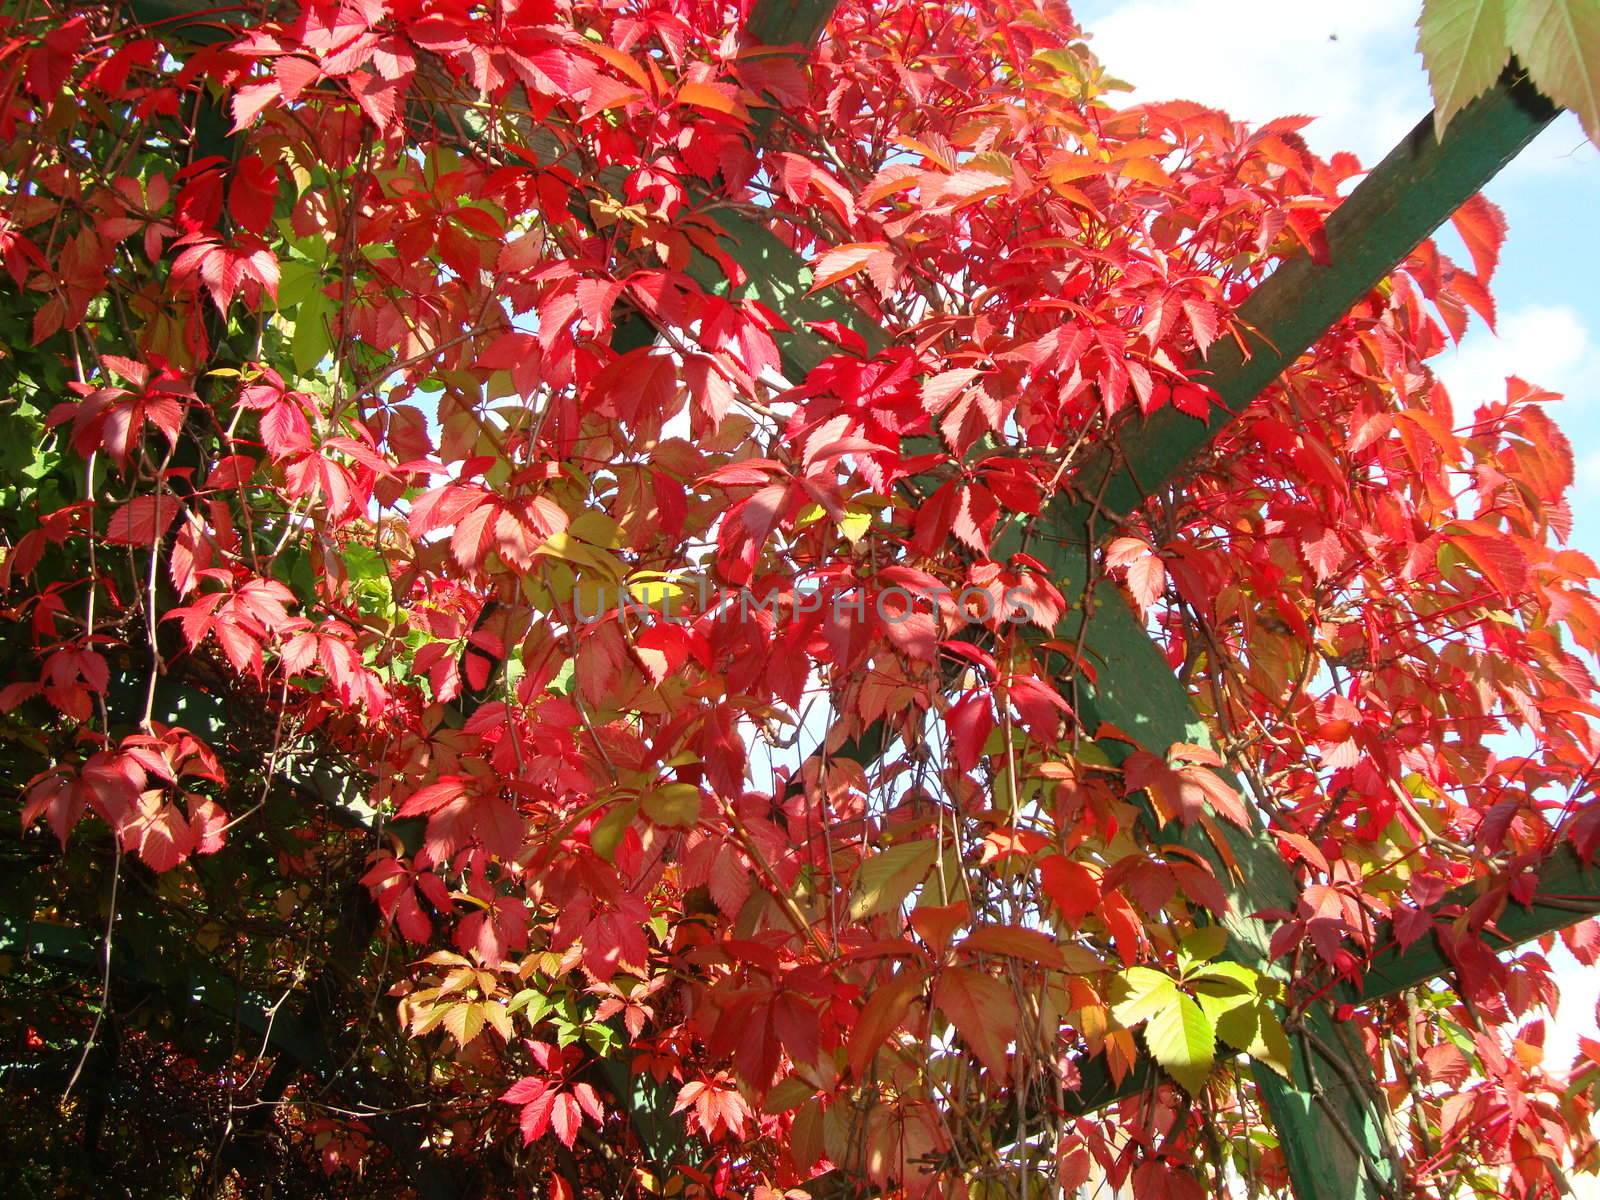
{"x": 105, "y": 973}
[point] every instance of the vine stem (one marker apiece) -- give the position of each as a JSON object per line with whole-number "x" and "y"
{"x": 105, "y": 972}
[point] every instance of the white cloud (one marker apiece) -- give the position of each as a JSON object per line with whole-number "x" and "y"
{"x": 1546, "y": 344}
{"x": 1349, "y": 63}
{"x": 1580, "y": 992}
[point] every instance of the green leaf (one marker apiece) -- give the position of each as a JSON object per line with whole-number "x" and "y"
{"x": 1256, "y": 1029}
{"x": 886, "y": 879}
{"x": 297, "y": 280}
{"x": 1559, "y": 42}
{"x": 1220, "y": 994}
{"x": 1463, "y": 45}
{"x": 312, "y": 341}
{"x": 1235, "y": 1001}
{"x": 536, "y": 1003}
{"x": 1226, "y": 978}
{"x": 1140, "y": 993}
{"x": 607, "y": 833}
{"x": 363, "y": 562}
{"x": 602, "y": 1039}
{"x": 944, "y": 886}
{"x": 1202, "y": 945}
{"x": 1183, "y": 1041}
{"x": 790, "y": 1093}
{"x": 674, "y": 804}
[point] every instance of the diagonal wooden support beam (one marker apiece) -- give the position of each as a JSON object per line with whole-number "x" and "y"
{"x": 1327, "y": 1116}
{"x": 789, "y": 22}
{"x": 1411, "y": 193}
{"x": 1328, "y": 1121}
{"x": 1568, "y": 892}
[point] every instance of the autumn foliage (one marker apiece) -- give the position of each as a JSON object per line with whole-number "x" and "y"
{"x": 608, "y": 718}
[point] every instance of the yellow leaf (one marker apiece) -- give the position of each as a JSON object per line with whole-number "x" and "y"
{"x": 596, "y": 528}
{"x": 885, "y": 879}
{"x": 854, "y": 524}
{"x": 1146, "y": 170}
{"x": 1182, "y": 1040}
{"x": 569, "y": 549}
{"x": 464, "y": 1021}
{"x": 1559, "y": 42}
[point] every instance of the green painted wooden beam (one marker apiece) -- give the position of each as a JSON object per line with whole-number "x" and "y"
{"x": 1405, "y": 198}
{"x": 789, "y": 22}
{"x": 1568, "y": 892}
{"x": 1329, "y": 1125}
{"x": 781, "y": 279}
{"x": 199, "y": 21}
{"x": 1327, "y": 1122}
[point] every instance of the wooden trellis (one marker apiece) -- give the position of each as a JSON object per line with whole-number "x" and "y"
{"x": 1327, "y": 1116}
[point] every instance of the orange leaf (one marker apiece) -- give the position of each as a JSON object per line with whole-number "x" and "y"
{"x": 1146, "y": 170}
{"x": 1012, "y": 941}
{"x": 1196, "y": 785}
{"x": 626, "y": 64}
{"x": 712, "y": 98}
{"x": 1482, "y": 227}
{"x": 882, "y": 1014}
{"x": 983, "y": 1010}
{"x": 842, "y": 262}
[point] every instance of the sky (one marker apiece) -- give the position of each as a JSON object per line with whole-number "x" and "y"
{"x": 1352, "y": 65}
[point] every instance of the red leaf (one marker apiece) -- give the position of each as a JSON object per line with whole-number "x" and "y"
{"x": 1071, "y": 886}
{"x": 1325, "y": 553}
{"x": 535, "y": 1117}
{"x": 565, "y": 1118}
{"x": 435, "y": 796}
{"x": 1498, "y": 560}
{"x": 523, "y": 1090}
{"x": 253, "y": 194}
{"x": 1306, "y": 225}
{"x": 250, "y": 99}
{"x": 939, "y": 390}
{"x": 970, "y": 723}
{"x": 142, "y": 521}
